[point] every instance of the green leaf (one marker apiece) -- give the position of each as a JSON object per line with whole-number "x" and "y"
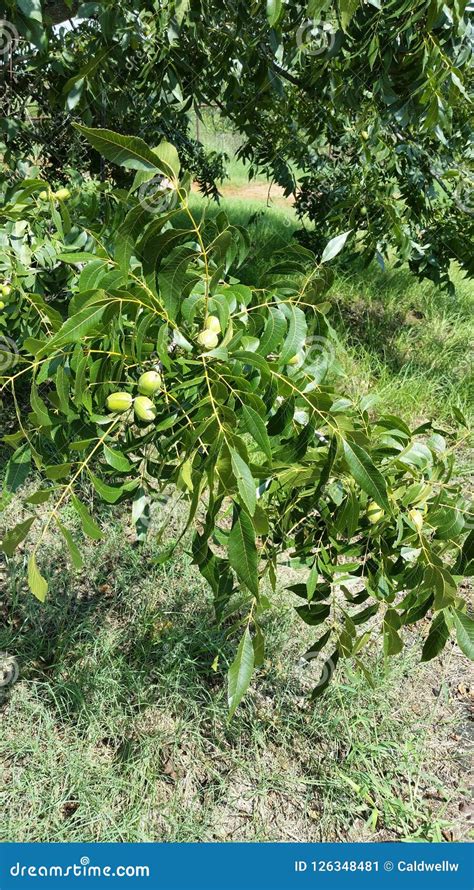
{"x": 76, "y": 327}
{"x": 392, "y": 641}
{"x": 141, "y": 513}
{"x": 15, "y": 536}
{"x": 39, "y": 408}
{"x": 258, "y": 643}
{"x": 8, "y": 354}
{"x": 317, "y": 646}
{"x": 314, "y": 613}
{"x": 436, "y": 639}
{"x": 89, "y": 526}
{"x": 242, "y": 550}
{"x": 366, "y": 474}
{"x": 40, "y": 496}
{"x": 75, "y": 93}
{"x": 32, "y": 26}
{"x": 441, "y": 580}
{"x": 282, "y": 417}
{"x": 18, "y": 468}
{"x": 57, "y": 471}
{"x": 260, "y": 521}
{"x": 255, "y": 426}
{"x": 76, "y": 557}
{"x": 448, "y": 521}
{"x": 168, "y": 155}
{"x": 127, "y": 234}
{"x": 130, "y": 152}
{"x": 334, "y": 246}
{"x": 418, "y": 611}
{"x": 117, "y": 460}
{"x": 274, "y": 9}
{"x": 296, "y": 333}
{"x": 327, "y": 673}
{"x": 464, "y": 633}
{"x": 109, "y": 493}
{"x": 465, "y": 561}
{"x": 348, "y": 9}
{"x": 240, "y": 672}
{"x": 364, "y": 615}
{"x": 62, "y": 389}
{"x": 245, "y": 481}
{"x": 173, "y": 277}
{"x": 253, "y": 359}
{"x": 182, "y": 9}
{"x": 38, "y": 584}
{"x": 95, "y": 275}
{"x": 275, "y": 328}
{"x": 31, "y": 9}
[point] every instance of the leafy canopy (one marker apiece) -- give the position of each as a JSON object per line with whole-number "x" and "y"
{"x": 248, "y": 428}
{"x": 361, "y": 108}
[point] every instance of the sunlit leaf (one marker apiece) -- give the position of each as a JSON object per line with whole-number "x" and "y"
{"x": 38, "y": 584}
{"x": 240, "y": 672}
{"x": 242, "y": 551}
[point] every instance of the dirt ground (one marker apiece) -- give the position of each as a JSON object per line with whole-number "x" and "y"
{"x": 270, "y": 194}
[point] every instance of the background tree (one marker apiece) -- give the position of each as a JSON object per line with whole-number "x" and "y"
{"x": 361, "y": 108}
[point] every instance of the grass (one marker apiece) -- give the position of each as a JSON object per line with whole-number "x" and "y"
{"x": 408, "y": 341}
{"x": 117, "y": 729}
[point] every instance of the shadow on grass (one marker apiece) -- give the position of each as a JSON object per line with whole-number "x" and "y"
{"x": 409, "y": 329}
{"x": 64, "y": 641}
{"x": 122, "y": 638}
{"x": 129, "y": 641}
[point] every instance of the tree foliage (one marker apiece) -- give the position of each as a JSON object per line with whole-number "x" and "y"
{"x": 248, "y": 427}
{"x": 361, "y": 108}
